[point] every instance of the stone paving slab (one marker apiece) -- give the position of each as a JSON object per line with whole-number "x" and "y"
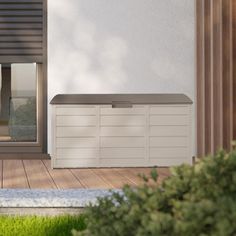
{"x": 75, "y": 198}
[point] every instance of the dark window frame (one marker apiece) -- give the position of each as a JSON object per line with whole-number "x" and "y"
{"x": 31, "y": 150}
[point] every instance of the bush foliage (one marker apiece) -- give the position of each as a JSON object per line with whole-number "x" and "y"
{"x": 195, "y": 200}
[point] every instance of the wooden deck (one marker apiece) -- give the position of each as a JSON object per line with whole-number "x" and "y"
{"x": 37, "y": 174}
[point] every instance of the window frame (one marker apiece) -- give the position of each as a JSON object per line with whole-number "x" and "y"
{"x": 33, "y": 150}
{"x": 39, "y": 145}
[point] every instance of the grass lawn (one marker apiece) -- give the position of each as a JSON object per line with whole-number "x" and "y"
{"x": 40, "y": 226}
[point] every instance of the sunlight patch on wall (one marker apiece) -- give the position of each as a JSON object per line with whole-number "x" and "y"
{"x": 83, "y": 61}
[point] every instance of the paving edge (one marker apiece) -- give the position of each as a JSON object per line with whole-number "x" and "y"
{"x": 40, "y": 211}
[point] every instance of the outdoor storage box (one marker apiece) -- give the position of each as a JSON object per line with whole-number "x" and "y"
{"x": 121, "y": 130}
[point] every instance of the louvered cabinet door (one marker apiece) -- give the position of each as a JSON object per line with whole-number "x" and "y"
{"x": 75, "y": 136}
{"x": 123, "y": 136}
{"x": 170, "y": 135}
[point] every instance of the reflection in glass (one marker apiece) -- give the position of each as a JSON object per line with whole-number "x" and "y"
{"x": 18, "y": 103}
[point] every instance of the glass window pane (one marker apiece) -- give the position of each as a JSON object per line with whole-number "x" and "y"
{"x": 18, "y": 102}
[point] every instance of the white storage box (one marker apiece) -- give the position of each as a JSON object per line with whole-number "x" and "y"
{"x": 121, "y": 130}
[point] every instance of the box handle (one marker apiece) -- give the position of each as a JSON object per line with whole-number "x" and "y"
{"x": 121, "y": 104}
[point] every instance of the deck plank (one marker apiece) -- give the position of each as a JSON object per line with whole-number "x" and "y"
{"x": 163, "y": 173}
{"x": 90, "y": 179}
{"x": 63, "y": 178}
{"x": 113, "y": 177}
{"x": 141, "y": 171}
{"x": 133, "y": 177}
{"x": 38, "y": 176}
{"x": 14, "y": 174}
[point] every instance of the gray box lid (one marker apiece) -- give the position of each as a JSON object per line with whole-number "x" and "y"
{"x": 109, "y": 99}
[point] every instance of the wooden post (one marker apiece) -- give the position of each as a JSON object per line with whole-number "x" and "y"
{"x": 215, "y": 75}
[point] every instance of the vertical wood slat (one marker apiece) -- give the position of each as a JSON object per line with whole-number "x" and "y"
{"x": 214, "y": 76}
{"x": 208, "y": 74}
{"x": 234, "y": 66}
{"x": 200, "y": 78}
{"x": 227, "y": 71}
{"x": 217, "y": 98}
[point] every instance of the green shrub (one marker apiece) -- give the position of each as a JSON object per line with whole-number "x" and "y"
{"x": 195, "y": 200}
